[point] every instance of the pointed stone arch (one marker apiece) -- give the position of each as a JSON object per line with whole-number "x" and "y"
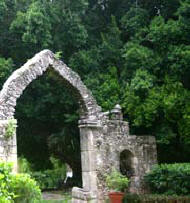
{"x": 90, "y": 113}
{"x": 103, "y": 136}
{"x": 34, "y": 68}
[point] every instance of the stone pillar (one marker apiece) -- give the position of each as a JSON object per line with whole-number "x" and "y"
{"x": 8, "y": 145}
{"x": 89, "y": 130}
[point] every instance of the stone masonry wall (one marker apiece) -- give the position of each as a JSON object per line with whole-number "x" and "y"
{"x": 8, "y": 145}
{"x": 104, "y": 135}
{"x": 114, "y": 139}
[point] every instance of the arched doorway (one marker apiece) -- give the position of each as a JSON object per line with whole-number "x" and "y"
{"x": 127, "y": 167}
{"x": 47, "y": 129}
{"x": 35, "y": 67}
{"x": 89, "y": 110}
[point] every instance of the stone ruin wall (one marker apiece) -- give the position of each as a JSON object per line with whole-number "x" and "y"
{"x": 107, "y": 138}
{"x": 112, "y": 139}
{"x": 103, "y": 135}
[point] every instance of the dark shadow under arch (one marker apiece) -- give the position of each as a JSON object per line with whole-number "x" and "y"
{"x": 127, "y": 167}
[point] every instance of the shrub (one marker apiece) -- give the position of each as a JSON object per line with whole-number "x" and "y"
{"x": 17, "y": 187}
{"x": 49, "y": 179}
{"x": 134, "y": 198}
{"x": 23, "y": 165}
{"x": 25, "y": 189}
{"x": 6, "y": 195}
{"x": 116, "y": 181}
{"x": 5, "y": 200}
{"x": 169, "y": 179}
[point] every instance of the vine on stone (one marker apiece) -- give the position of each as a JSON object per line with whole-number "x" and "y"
{"x": 10, "y": 129}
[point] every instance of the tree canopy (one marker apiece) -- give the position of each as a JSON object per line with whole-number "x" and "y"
{"x": 136, "y": 53}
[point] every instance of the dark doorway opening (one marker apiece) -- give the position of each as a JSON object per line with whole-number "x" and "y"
{"x": 48, "y": 115}
{"x": 127, "y": 163}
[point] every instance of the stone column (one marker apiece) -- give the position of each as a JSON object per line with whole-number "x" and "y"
{"x": 89, "y": 130}
{"x": 8, "y": 145}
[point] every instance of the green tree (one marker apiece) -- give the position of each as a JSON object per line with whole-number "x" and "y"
{"x": 135, "y": 53}
{"x": 6, "y": 67}
{"x": 33, "y": 26}
{"x": 134, "y": 21}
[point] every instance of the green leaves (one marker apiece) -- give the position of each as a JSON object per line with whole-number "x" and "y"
{"x": 139, "y": 100}
{"x": 134, "y": 20}
{"x": 34, "y": 25}
{"x": 116, "y": 181}
{"x": 109, "y": 89}
{"x": 137, "y": 56}
{"x": 25, "y": 188}
{"x": 142, "y": 80}
{"x": 10, "y": 129}
{"x": 133, "y": 53}
{"x": 6, "y": 67}
{"x": 169, "y": 179}
{"x": 162, "y": 33}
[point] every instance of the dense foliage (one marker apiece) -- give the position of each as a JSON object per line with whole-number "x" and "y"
{"x": 134, "y": 198}
{"x": 170, "y": 179}
{"x": 49, "y": 179}
{"x": 132, "y": 52}
{"x": 17, "y": 187}
{"x": 6, "y": 195}
{"x": 46, "y": 179}
{"x": 117, "y": 182}
{"x": 25, "y": 189}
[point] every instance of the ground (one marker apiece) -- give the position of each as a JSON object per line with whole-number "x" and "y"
{"x": 56, "y": 197}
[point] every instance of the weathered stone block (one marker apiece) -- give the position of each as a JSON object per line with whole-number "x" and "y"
{"x": 88, "y": 160}
{"x": 87, "y": 140}
{"x": 89, "y": 181}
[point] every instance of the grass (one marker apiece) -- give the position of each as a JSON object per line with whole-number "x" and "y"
{"x": 155, "y": 198}
{"x": 56, "y": 201}
{"x": 66, "y": 198}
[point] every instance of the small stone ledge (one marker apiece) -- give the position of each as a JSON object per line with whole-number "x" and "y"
{"x": 89, "y": 123}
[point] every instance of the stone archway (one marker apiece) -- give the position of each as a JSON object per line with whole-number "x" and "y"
{"x": 103, "y": 136}
{"x": 34, "y": 68}
{"x": 89, "y": 112}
